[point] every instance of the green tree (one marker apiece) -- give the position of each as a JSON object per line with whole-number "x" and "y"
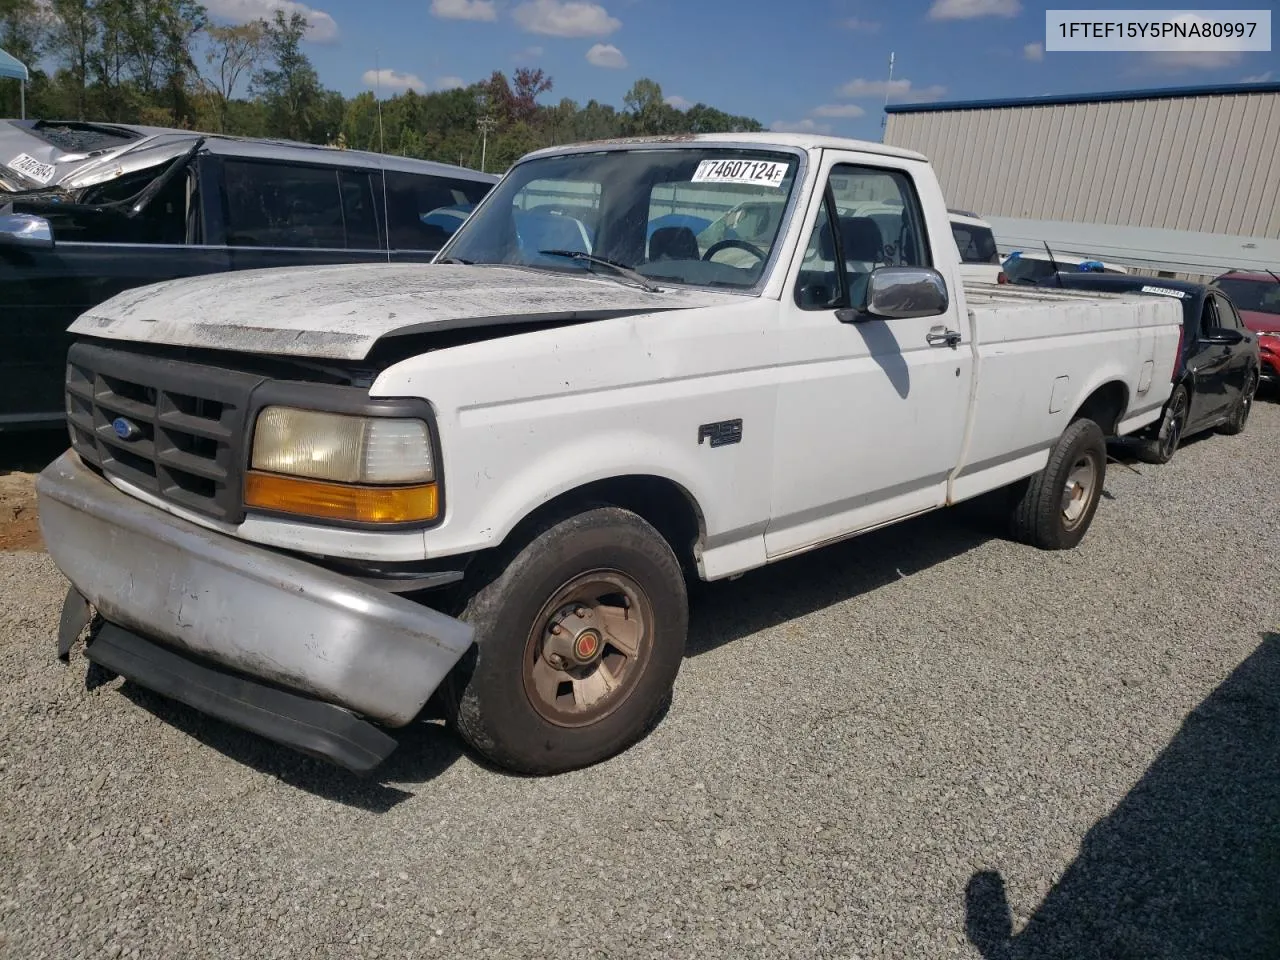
{"x": 74, "y": 42}
{"x": 233, "y": 53}
{"x": 289, "y": 87}
{"x": 23, "y": 33}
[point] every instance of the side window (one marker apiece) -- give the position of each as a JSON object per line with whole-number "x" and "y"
{"x": 871, "y": 218}
{"x": 281, "y": 205}
{"x": 880, "y": 219}
{"x": 423, "y": 210}
{"x": 359, "y": 210}
{"x": 821, "y": 283}
{"x": 1209, "y": 317}
{"x": 1227, "y": 317}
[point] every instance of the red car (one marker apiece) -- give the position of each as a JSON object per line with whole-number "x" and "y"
{"x": 1257, "y": 297}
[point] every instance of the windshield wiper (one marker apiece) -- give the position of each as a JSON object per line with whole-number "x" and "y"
{"x": 465, "y": 263}
{"x": 621, "y": 268}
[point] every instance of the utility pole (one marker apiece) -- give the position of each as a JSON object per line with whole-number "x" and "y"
{"x": 485, "y": 124}
{"x": 884, "y": 117}
{"x": 887, "y": 88}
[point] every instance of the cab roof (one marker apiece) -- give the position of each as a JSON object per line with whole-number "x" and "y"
{"x": 802, "y": 141}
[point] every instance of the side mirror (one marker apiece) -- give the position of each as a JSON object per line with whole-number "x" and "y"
{"x": 1225, "y": 336}
{"x": 25, "y": 230}
{"x": 900, "y": 293}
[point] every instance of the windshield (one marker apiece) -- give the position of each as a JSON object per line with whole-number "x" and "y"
{"x": 705, "y": 217}
{"x": 1257, "y": 296}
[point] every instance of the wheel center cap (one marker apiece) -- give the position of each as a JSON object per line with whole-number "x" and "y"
{"x": 587, "y": 645}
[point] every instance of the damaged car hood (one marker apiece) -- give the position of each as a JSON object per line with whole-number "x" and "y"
{"x": 340, "y": 312}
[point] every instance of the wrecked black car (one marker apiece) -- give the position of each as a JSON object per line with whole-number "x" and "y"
{"x": 90, "y": 209}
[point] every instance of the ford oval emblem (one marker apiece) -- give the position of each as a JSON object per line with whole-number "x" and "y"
{"x": 126, "y": 429}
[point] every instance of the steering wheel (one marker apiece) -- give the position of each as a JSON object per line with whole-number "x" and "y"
{"x": 734, "y": 243}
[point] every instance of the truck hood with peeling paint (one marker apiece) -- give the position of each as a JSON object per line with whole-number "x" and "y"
{"x": 340, "y": 312}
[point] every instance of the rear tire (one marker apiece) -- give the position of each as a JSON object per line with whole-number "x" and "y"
{"x": 579, "y": 636}
{"x": 1244, "y": 405}
{"x": 1161, "y": 447}
{"x": 1055, "y": 507}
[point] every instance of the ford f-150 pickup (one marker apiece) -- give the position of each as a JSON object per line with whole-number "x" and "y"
{"x": 307, "y": 500}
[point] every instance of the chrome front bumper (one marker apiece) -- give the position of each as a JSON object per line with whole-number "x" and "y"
{"x": 268, "y": 616}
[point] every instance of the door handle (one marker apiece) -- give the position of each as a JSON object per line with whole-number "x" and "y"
{"x": 941, "y": 335}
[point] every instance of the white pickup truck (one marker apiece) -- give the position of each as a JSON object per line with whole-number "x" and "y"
{"x": 305, "y": 500}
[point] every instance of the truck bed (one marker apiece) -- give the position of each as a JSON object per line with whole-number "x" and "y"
{"x": 1018, "y": 366}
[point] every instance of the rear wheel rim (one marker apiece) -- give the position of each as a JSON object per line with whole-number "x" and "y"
{"x": 1080, "y": 490}
{"x": 1173, "y": 431}
{"x": 588, "y": 647}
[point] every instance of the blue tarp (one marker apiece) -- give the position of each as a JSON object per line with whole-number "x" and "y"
{"x": 12, "y": 68}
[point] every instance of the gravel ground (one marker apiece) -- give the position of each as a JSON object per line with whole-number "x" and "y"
{"x": 906, "y": 746}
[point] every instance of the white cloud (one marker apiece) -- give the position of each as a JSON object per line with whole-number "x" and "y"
{"x": 565, "y": 18}
{"x": 860, "y": 25}
{"x": 845, "y": 110}
{"x": 1033, "y": 52}
{"x": 485, "y": 10}
{"x": 321, "y": 27}
{"x": 799, "y": 126}
{"x": 393, "y": 80}
{"x": 1177, "y": 61}
{"x": 900, "y": 91}
{"x": 678, "y": 103}
{"x": 1257, "y": 77}
{"x": 973, "y": 9}
{"x": 606, "y": 55}
{"x": 528, "y": 53}
{"x": 449, "y": 83}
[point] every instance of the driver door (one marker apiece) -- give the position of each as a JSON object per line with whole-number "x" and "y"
{"x": 871, "y": 411}
{"x": 1209, "y": 365}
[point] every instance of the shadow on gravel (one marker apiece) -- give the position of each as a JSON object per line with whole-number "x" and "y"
{"x": 1188, "y": 864}
{"x": 726, "y": 611}
{"x": 425, "y": 752}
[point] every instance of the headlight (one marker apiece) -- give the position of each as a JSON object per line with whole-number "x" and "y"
{"x": 334, "y": 466}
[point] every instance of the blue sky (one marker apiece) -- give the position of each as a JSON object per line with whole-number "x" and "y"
{"x": 804, "y": 64}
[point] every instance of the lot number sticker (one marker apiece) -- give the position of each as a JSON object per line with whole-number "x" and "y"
{"x": 764, "y": 173}
{"x": 1164, "y": 291}
{"x": 31, "y": 167}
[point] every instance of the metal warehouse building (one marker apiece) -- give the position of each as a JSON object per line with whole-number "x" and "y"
{"x": 1177, "y": 180}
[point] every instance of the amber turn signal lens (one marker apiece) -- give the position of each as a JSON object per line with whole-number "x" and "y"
{"x": 341, "y": 501}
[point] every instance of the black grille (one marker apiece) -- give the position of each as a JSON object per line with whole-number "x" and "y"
{"x": 184, "y": 425}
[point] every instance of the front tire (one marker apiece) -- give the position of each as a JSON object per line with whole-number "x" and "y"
{"x": 578, "y": 640}
{"x": 1161, "y": 447}
{"x": 1244, "y": 405}
{"x": 1056, "y": 506}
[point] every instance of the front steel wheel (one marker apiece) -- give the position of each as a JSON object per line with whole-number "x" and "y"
{"x": 580, "y": 629}
{"x": 588, "y": 648}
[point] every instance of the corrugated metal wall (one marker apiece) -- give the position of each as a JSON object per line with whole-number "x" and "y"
{"x": 1199, "y": 163}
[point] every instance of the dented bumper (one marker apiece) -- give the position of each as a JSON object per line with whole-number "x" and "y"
{"x": 233, "y": 605}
